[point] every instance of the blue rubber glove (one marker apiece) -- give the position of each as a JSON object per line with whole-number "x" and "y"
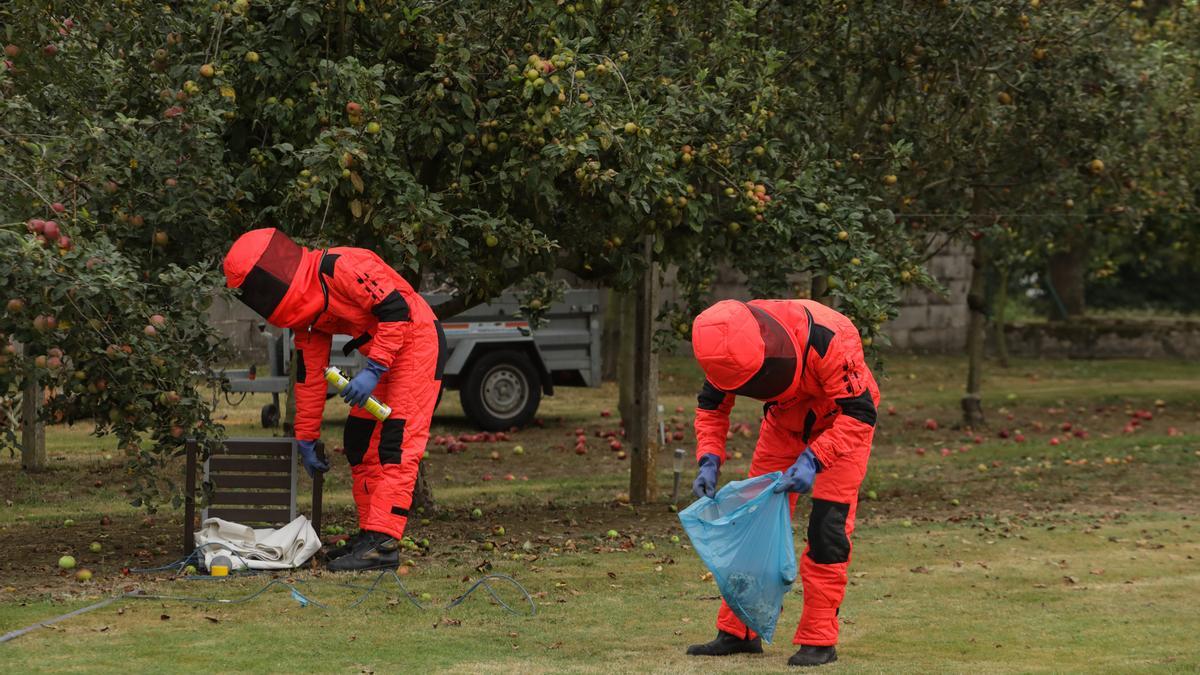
{"x": 361, "y": 386}
{"x": 705, "y": 484}
{"x": 799, "y": 476}
{"x": 308, "y": 457}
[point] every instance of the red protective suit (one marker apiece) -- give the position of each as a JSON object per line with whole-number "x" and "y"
{"x": 352, "y": 291}
{"x": 806, "y": 362}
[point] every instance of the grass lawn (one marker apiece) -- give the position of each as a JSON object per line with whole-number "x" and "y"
{"x": 973, "y": 551}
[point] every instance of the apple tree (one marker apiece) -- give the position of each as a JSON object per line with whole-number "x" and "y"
{"x": 477, "y": 145}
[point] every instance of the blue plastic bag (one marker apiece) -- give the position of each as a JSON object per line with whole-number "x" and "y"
{"x": 744, "y": 536}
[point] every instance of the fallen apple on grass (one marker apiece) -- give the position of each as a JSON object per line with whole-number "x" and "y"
{"x": 66, "y": 562}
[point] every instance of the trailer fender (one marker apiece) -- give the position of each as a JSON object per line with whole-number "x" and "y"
{"x": 467, "y": 349}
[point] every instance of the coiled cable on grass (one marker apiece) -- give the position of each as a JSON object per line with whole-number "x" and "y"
{"x": 481, "y": 582}
{"x": 304, "y": 600}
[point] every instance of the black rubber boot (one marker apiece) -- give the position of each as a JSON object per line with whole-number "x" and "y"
{"x": 374, "y": 550}
{"x": 813, "y": 656}
{"x": 339, "y": 551}
{"x": 725, "y": 644}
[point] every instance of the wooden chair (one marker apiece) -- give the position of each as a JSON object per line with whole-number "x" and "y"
{"x": 253, "y": 483}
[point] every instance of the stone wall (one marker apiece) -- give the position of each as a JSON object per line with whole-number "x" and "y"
{"x": 1106, "y": 338}
{"x": 930, "y": 321}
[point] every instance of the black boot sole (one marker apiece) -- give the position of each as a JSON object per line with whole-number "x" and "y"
{"x": 757, "y": 649}
{"x": 813, "y": 664}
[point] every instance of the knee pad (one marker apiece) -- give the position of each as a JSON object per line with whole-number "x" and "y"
{"x": 391, "y": 441}
{"x": 356, "y": 438}
{"x": 827, "y": 540}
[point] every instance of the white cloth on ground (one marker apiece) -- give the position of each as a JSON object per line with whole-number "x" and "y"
{"x": 263, "y": 549}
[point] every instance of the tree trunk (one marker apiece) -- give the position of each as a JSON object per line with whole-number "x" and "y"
{"x": 1067, "y": 269}
{"x": 627, "y": 353}
{"x": 422, "y": 497}
{"x": 640, "y": 426}
{"x": 972, "y": 402}
{"x": 610, "y": 340}
{"x": 33, "y": 432}
{"x": 1000, "y": 303}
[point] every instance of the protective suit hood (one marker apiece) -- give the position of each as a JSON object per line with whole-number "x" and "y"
{"x": 276, "y": 277}
{"x": 746, "y": 351}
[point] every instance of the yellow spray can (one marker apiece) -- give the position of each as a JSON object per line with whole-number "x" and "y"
{"x": 339, "y": 381}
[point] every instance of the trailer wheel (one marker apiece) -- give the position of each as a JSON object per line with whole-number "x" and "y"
{"x": 270, "y": 416}
{"x": 502, "y": 390}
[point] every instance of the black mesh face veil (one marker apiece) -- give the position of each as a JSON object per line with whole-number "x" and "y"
{"x": 779, "y": 360}
{"x": 266, "y": 284}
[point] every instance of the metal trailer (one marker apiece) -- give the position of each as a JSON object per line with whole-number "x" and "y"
{"x": 500, "y": 367}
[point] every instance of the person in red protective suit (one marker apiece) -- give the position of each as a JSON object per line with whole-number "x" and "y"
{"x": 319, "y": 293}
{"x": 805, "y": 361}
